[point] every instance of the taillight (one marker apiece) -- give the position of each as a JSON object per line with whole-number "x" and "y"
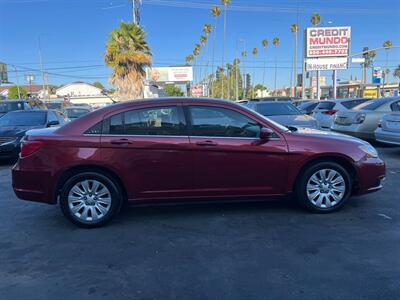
{"x": 360, "y": 118}
{"x": 30, "y": 147}
{"x": 330, "y": 112}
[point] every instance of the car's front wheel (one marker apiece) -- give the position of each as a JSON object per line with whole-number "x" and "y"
{"x": 324, "y": 187}
{"x": 90, "y": 199}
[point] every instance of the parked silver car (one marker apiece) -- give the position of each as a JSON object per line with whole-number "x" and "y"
{"x": 363, "y": 120}
{"x": 325, "y": 111}
{"x": 283, "y": 112}
{"x": 388, "y": 130}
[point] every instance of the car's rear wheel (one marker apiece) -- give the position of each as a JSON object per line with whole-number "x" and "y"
{"x": 90, "y": 199}
{"x": 324, "y": 187}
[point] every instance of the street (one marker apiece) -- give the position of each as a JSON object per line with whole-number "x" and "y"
{"x": 263, "y": 250}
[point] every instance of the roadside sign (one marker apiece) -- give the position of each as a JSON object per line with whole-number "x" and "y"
{"x": 169, "y": 74}
{"x": 370, "y": 93}
{"x": 322, "y": 64}
{"x": 358, "y": 60}
{"x": 197, "y": 90}
{"x": 376, "y": 75}
{"x": 328, "y": 41}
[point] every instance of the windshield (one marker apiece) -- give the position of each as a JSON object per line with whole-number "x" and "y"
{"x": 277, "y": 109}
{"x": 10, "y": 106}
{"x": 23, "y": 119}
{"x": 54, "y": 105}
{"x": 74, "y": 113}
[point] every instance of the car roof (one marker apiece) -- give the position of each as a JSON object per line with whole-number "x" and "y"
{"x": 30, "y": 111}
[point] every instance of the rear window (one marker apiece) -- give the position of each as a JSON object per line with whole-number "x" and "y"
{"x": 372, "y": 104}
{"x": 10, "y": 106}
{"x": 277, "y": 109}
{"x": 352, "y": 103}
{"x": 308, "y": 106}
{"x": 328, "y": 105}
{"x": 76, "y": 112}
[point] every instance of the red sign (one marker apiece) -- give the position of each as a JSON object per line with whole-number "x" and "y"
{"x": 198, "y": 90}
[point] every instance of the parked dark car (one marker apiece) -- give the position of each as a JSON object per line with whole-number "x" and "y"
{"x": 308, "y": 107}
{"x": 75, "y": 112}
{"x": 284, "y": 113}
{"x": 177, "y": 149}
{"x": 15, "y": 124}
{"x": 12, "y": 105}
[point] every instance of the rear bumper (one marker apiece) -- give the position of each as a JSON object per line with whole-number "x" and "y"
{"x": 359, "y": 134}
{"x": 9, "y": 151}
{"x": 387, "y": 137}
{"x": 33, "y": 185}
{"x": 371, "y": 174}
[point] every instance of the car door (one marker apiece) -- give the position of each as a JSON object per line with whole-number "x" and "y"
{"x": 149, "y": 148}
{"x": 229, "y": 158}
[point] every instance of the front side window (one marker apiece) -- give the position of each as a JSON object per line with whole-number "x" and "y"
{"x": 148, "y": 121}
{"x": 395, "y": 106}
{"x": 221, "y": 122}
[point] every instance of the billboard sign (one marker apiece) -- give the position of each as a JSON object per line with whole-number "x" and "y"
{"x": 376, "y": 75}
{"x": 169, "y": 74}
{"x": 323, "y": 64}
{"x": 328, "y": 41}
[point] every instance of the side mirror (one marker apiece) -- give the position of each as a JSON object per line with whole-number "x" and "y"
{"x": 266, "y": 134}
{"x": 53, "y": 123}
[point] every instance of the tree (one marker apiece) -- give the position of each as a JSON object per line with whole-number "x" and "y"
{"x": 276, "y": 43}
{"x": 387, "y": 45}
{"x": 207, "y": 30}
{"x": 196, "y": 52}
{"x": 315, "y": 19}
{"x": 254, "y": 52}
{"x": 203, "y": 42}
{"x": 189, "y": 59}
{"x": 294, "y": 28}
{"x": 396, "y": 72}
{"x": 265, "y": 45}
{"x": 98, "y": 84}
{"x": 232, "y": 81}
{"x": 173, "y": 91}
{"x": 215, "y": 12}
{"x": 225, "y": 3}
{"x": 14, "y": 94}
{"x": 128, "y": 53}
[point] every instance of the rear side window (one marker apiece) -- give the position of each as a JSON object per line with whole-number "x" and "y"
{"x": 326, "y": 105}
{"x": 96, "y": 129}
{"x": 149, "y": 121}
{"x": 395, "y": 106}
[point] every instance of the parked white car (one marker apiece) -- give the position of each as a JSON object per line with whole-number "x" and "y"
{"x": 325, "y": 111}
{"x": 388, "y": 130}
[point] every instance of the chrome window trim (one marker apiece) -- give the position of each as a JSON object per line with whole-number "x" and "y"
{"x": 180, "y": 136}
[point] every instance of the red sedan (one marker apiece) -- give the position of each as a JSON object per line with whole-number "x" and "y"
{"x": 179, "y": 149}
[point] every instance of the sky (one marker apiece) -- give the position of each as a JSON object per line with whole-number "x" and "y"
{"x": 72, "y": 33}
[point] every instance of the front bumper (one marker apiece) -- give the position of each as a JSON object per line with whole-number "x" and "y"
{"x": 387, "y": 137}
{"x": 10, "y": 150}
{"x": 371, "y": 174}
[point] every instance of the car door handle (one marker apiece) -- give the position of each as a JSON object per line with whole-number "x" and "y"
{"x": 206, "y": 143}
{"x": 121, "y": 142}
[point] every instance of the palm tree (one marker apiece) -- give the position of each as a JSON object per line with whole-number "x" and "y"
{"x": 207, "y": 30}
{"x": 276, "y": 43}
{"x": 215, "y": 12}
{"x": 265, "y": 45}
{"x": 203, "y": 42}
{"x": 189, "y": 59}
{"x": 255, "y": 52}
{"x": 128, "y": 53}
{"x": 225, "y": 3}
{"x": 294, "y": 28}
{"x": 387, "y": 45}
{"x": 196, "y": 52}
{"x": 315, "y": 19}
{"x": 396, "y": 72}
{"x": 244, "y": 83}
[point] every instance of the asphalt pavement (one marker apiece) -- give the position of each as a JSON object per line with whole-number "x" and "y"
{"x": 267, "y": 250}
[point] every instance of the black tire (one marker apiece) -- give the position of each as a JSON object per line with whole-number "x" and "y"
{"x": 301, "y": 186}
{"x": 109, "y": 183}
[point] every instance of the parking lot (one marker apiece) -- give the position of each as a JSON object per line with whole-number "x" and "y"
{"x": 264, "y": 250}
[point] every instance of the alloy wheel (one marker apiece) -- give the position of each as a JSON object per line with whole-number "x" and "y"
{"x": 89, "y": 200}
{"x": 326, "y": 188}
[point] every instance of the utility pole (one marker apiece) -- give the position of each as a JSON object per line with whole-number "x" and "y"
{"x": 16, "y": 74}
{"x": 136, "y": 11}
{"x": 41, "y": 68}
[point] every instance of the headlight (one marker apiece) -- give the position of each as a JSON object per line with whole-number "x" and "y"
{"x": 359, "y": 118}
{"x": 369, "y": 150}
